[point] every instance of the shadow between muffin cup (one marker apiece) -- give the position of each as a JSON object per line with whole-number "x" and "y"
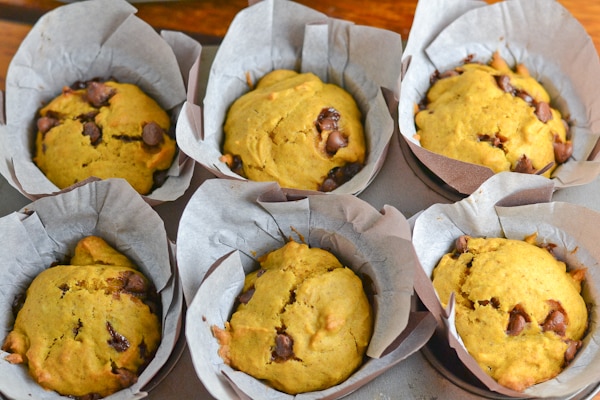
{"x": 444, "y": 34}
{"x": 47, "y": 231}
{"x": 228, "y": 224}
{"x": 513, "y": 206}
{"x": 61, "y": 49}
{"x": 274, "y": 34}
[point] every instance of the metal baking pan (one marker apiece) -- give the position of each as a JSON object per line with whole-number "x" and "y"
{"x": 432, "y": 373}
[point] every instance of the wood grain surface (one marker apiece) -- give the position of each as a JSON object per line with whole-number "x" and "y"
{"x": 207, "y": 20}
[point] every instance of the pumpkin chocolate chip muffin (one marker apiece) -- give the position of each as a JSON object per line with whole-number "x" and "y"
{"x": 493, "y": 116}
{"x": 519, "y": 311}
{"x": 296, "y": 130}
{"x": 88, "y": 329}
{"x": 104, "y": 130}
{"x": 303, "y": 323}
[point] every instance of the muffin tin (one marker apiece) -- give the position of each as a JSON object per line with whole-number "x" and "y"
{"x": 404, "y": 183}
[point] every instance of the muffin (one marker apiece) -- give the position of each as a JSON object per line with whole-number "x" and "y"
{"x": 104, "y": 130}
{"x": 87, "y": 329}
{"x": 296, "y": 130}
{"x": 519, "y": 311}
{"x": 303, "y": 322}
{"x": 493, "y": 116}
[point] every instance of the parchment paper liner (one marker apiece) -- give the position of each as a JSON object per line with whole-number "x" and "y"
{"x": 516, "y": 205}
{"x": 82, "y": 41}
{"x": 281, "y": 34}
{"x": 48, "y": 229}
{"x": 227, "y": 224}
{"x": 564, "y": 60}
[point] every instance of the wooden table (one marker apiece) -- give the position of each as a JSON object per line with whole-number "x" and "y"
{"x": 208, "y": 20}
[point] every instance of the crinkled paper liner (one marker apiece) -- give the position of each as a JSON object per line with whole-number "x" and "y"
{"x": 48, "y": 229}
{"x": 83, "y": 41}
{"x": 281, "y": 34}
{"x": 515, "y": 206}
{"x": 228, "y": 224}
{"x": 565, "y": 61}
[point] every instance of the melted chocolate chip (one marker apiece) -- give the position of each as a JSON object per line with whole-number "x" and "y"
{"x": 327, "y": 120}
{"x": 77, "y": 327}
{"x": 335, "y": 141}
{"x": 134, "y": 283}
{"x": 555, "y": 322}
{"x": 517, "y": 320}
{"x": 562, "y": 150}
{"x": 245, "y": 297}
{"x": 284, "y": 348}
{"x": 524, "y": 166}
{"x": 503, "y": 82}
{"x": 159, "y": 177}
{"x": 93, "y": 131}
{"x": 495, "y": 140}
{"x": 340, "y": 175}
{"x": 573, "y": 346}
{"x": 116, "y": 341}
{"x": 125, "y": 376}
{"x": 152, "y": 134}
{"x": 88, "y": 116}
{"x": 99, "y": 93}
{"x": 543, "y": 111}
{"x": 44, "y": 124}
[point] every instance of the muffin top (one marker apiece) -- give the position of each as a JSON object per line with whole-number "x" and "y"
{"x": 519, "y": 311}
{"x": 104, "y": 130}
{"x": 296, "y": 130}
{"x": 303, "y": 323}
{"x": 88, "y": 328}
{"x": 493, "y": 116}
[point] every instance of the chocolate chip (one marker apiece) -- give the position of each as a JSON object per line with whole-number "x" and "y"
{"x": 461, "y": 244}
{"x": 555, "y": 322}
{"x": 503, "y": 82}
{"x": 125, "y": 376}
{"x": 99, "y": 93}
{"x": 44, "y": 124}
{"x": 339, "y": 175}
{"x": 88, "y": 116}
{"x": 517, "y": 320}
{"x": 260, "y": 272}
{"x": 573, "y": 346}
{"x": 284, "y": 348}
{"x": 77, "y": 327}
{"x": 159, "y": 177}
{"x": 524, "y": 166}
{"x": 335, "y": 141}
{"x": 543, "y": 111}
{"x": 245, "y": 297}
{"x": 562, "y": 150}
{"x": 327, "y": 119}
{"x": 93, "y": 131}
{"x": 116, "y": 341}
{"x": 495, "y": 140}
{"x": 525, "y": 96}
{"x": 152, "y": 134}
{"x": 493, "y": 301}
{"x": 134, "y": 283}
